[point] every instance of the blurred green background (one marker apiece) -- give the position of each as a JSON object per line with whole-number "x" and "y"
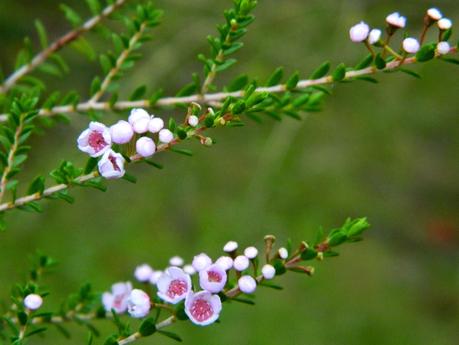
{"x": 387, "y": 151}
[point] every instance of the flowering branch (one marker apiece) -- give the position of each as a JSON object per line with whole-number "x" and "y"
{"x": 221, "y": 96}
{"x": 57, "y": 45}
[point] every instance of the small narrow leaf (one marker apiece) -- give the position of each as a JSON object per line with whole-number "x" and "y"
{"x": 321, "y": 71}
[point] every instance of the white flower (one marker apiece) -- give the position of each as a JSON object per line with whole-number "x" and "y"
{"x": 283, "y": 253}
{"x": 201, "y": 262}
{"x": 121, "y": 132}
{"x": 117, "y": 298}
{"x": 268, "y": 271}
{"x": 155, "y": 124}
{"x": 138, "y": 303}
{"x": 443, "y": 48}
{"x": 189, "y": 269}
{"x": 95, "y": 140}
{"x": 359, "y": 32}
{"x": 174, "y": 285}
{"x": 251, "y": 252}
{"x": 193, "y": 120}
{"x": 202, "y": 307}
{"x": 445, "y": 24}
{"x": 230, "y": 246}
{"x": 396, "y": 20}
{"x": 247, "y": 284}
{"x": 225, "y": 262}
{"x": 176, "y": 261}
{"x": 33, "y": 301}
{"x": 145, "y": 146}
{"x": 155, "y": 277}
{"x": 111, "y": 165}
{"x": 213, "y": 278}
{"x": 374, "y": 36}
{"x": 434, "y": 13}
{"x": 143, "y": 273}
{"x": 411, "y": 45}
{"x": 166, "y": 136}
{"x": 241, "y": 263}
{"x": 139, "y": 119}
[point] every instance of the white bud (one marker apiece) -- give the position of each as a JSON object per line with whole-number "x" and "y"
{"x": 445, "y": 24}
{"x": 374, "y": 36}
{"x": 241, "y": 263}
{"x": 411, "y": 45}
{"x": 145, "y": 146}
{"x": 176, "y": 261}
{"x": 155, "y": 277}
{"x": 143, "y": 273}
{"x": 251, "y": 252}
{"x": 121, "y": 132}
{"x": 193, "y": 120}
{"x": 138, "y": 303}
{"x": 224, "y": 262}
{"x": 201, "y": 262}
{"x": 230, "y": 247}
{"x": 247, "y": 284}
{"x": 155, "y": 124}
{"x": 165, "y": 136}
{"x": 141, "y": 125}
{"x": 359, "y": 32}
{"x": 33, "y": 301}
{"x": 283, "y": 253}
{"x": 396, "y": 20}
{"x": 189, "y": 269}
{"x": 443, "y": 48}
{"x": 268, "y": 271}
{"x": 137, "y": 114}
{"x": 434, "y": 13}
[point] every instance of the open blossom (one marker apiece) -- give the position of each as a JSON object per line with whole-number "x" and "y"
{"x": 139, "y": 120}
{"x": 117, "y": 298}
{"x": 111, "y": 165}
{"x": 374, "y": 36}
{"x": 138, "y": 303}
{"x": 33, "y": 301}
{"x": 411, "y": 45}
{"x": 247, "y": 284}
{"x": 213, "y": 278}
{"x": 445, "y": 24}
{"x": 396, "y": 20}
{"x": 121, "y": 132}
{"x": 95, "y": 140}
{"x": 174, "y": 285}
{"x": 443, "y": 48}
{"x": 359, "y": 32}
{"x": 201, "y": 261}
{"x": 225, "y": 262}
{"x": 202, "y": 307}
{"x": 143, "y": 273}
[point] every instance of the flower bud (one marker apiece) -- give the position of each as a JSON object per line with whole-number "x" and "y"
{"x": 189, "y": 269}
{"x": 155, "y": 277}
{"x": 268, "y": 271}
{"x": 359, "y": 32}
{"x": 143, "y": 273}
{"x": 145, "y": 146}
{"x": 155, "y": 124}
{"x": 111, "y": 165}
{"x": 444, "y": 24}
{"x": 33, "y": 301}
{"x": 121, "y": 132}
{"x": 374, "y": 36}
{"x": 247, "y": 284}
{"x": 139, "y": 119}
{"x": 251, "y": 252}
{"x": 283, "y": 253}
{"x": 396, "y": 21}
{"x": 201, "y": 262}
{"x": 434, "y": 14}
{"x": 166, "y": 136}
{"x": 138, "y": 303}
{"x": 176, "y": 261}
{"x": 193, "y": 120}
{"x": 411, "y": 45}
{"x": 443, "y": 48}
{"x": 225, "y": 262}
{"x": 230, "y": 247}
{"x": 241, "y": 263}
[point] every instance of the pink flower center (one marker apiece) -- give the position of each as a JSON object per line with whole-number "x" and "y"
{"x": 112, "y": 160}
{"x": 118, "y": 301}
{"x": 177, "y": 287}
{"x": 214, "y": 276}
{"x": 96, "y": 141}
{"x": 201, "y": 310}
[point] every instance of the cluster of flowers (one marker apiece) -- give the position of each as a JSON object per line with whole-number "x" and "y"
{"x": 175, "y": 285}
{"x": 361, "y": 32}
{"x": 98, "y": 140}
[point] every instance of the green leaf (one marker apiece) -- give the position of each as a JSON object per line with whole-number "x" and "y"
{"x": 225, "y": 65}
{"x": 410, "y": 72}
{"x": 138, "y": 93}
{"x": 82, "y": 46}
{"x": 130, "y": 178}
{"x": 170, "y": 335}
{"x": 147, "y": 327}
{"x": 276, "y": 77}
{"x": 154, "y": 164}
{"x": 181, "y": 151}
{"x": 308, "y": 254}
{"x": 426, "y": 53}
{"x": 321, "y": 71}
{"x": 238, "y": 83}
{"x": 292, "y": 81}
{"x": 94, "y": 6}
{"x": 42, "y": 36}
{"x": 73, "y": 17}
{"x": 37, "y": 185}
{"x": 380, "y": 63}
{"x": 450, "y": 60}
{"x": 365, "y": 62}
{"x": 95, "y": 85}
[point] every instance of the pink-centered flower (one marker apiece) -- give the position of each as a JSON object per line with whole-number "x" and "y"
{"x": 95, "y": 140}
{"x": 213, "y": 278}
{"x": 202, "y": 307}
{"x": 111, "y": 165}
{"x": 117, "y": 298}
{"x": 173, "y": 285}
